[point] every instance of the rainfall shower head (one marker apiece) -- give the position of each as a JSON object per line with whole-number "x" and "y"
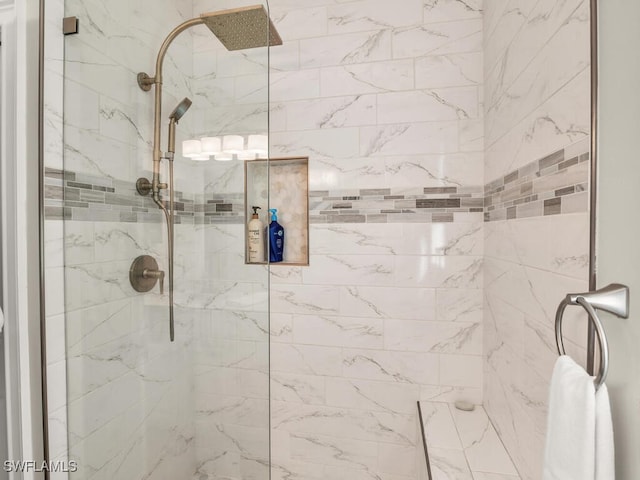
{"x": 180, "y": 110}
{"x": 241, "y": 28}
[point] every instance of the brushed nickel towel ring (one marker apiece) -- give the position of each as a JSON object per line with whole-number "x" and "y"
{"x": 614, "y": 299}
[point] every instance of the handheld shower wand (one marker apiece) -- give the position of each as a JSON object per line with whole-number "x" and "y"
{"x": 174, "y": 118}
{"x": 145, "y": 187}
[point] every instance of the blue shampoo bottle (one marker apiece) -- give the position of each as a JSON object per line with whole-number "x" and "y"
{"x": 276, "y": 238}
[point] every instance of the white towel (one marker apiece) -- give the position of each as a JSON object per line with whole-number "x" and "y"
{"x": 605, "y": 458}
{"x": 579, "y": 441}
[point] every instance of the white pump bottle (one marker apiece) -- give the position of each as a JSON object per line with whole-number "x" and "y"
{"x": 255, "y": 233}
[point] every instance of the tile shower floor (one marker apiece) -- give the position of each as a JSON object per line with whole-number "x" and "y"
{"x": 464, "y": 445}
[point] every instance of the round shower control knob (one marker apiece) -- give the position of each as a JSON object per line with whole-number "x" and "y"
{"x": 144, "y": 274}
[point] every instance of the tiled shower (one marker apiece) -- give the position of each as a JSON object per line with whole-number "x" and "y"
{"x": 448, "y": 145}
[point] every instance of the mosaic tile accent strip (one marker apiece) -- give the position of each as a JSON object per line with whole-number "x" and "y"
{"x": 75, "y": 196}
{"x": 384, "y": 205}
{"x": 220, "y": 208}
{"x": 552, "y": 185}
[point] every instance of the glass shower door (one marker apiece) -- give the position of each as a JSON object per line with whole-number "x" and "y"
{"x": 138, "y": 404}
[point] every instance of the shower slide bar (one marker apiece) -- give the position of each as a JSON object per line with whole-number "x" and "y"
{"x": 614, "y": 299}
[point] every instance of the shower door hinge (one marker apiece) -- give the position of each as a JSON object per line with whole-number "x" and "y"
{"x": 70, "y": 25}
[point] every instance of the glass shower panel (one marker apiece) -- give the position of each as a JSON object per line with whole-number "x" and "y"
{"x": 231, "y": 346}
{"x": 140, "y": 405}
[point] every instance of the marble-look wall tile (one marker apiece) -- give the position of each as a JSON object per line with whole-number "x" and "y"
{"x": 531, "y": 263}
{"x": 438, "y": 39}
{"x": 519, "y": 100}
{"x": 350, "y": 270}
{"x": 453, "y": 70}
{"x": 372, "y": 15}
{"x": 330, "y": 143}
{"x": 385, "y": 365}
{"x": 435, "y": 170}
{"x": 439, "y": 271}
{"x": 369, "y": 395}
{"x": 439, "y": 337}
{"x": 288, "y": 387}
{"x": 286, "y": 86}
{"x": 502, "y": 22}
{"x": 338, "y": 331}
{"x": 520, "y": 242}
{"x": 322, "y": 449}
{"x": 409, "y": 139}
{"x": 301, "y": 22}
{"x": 508, "y": 105}
{"x": 388, "y": 302}
{"x": 448, "y": 10}
{"x": 397, "y": 459}
{"x": 461, "y": 371}
{"x": 535, "y": 39}
{"x": 560, "y": 121}
{"x": 307, "y": 359}
{"x": 344, "y": 424}
{"x": 457, "y": 304}
{"x": 336, "y": 173}
{"x": 428, "y": 105}
{"x": 304, "y": 299}
{"x": 345, "y": 49}
{"x": 365, "y": 329}
{"x": 333, "y": 112}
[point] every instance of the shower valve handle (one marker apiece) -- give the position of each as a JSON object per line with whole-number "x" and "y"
{"x": 157, "y": 274}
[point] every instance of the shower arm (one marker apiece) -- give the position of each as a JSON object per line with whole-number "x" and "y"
{"x": 146, "y": 82}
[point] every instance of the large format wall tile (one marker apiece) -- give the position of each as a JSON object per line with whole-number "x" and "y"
{"x": 537, "y": 106}
{"x": 386, "y": 313}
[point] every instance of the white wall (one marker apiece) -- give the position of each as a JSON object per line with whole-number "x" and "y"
{"x": 618, "y": 230}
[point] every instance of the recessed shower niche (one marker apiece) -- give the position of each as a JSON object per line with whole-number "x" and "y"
{"x": 281, "y": 184}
